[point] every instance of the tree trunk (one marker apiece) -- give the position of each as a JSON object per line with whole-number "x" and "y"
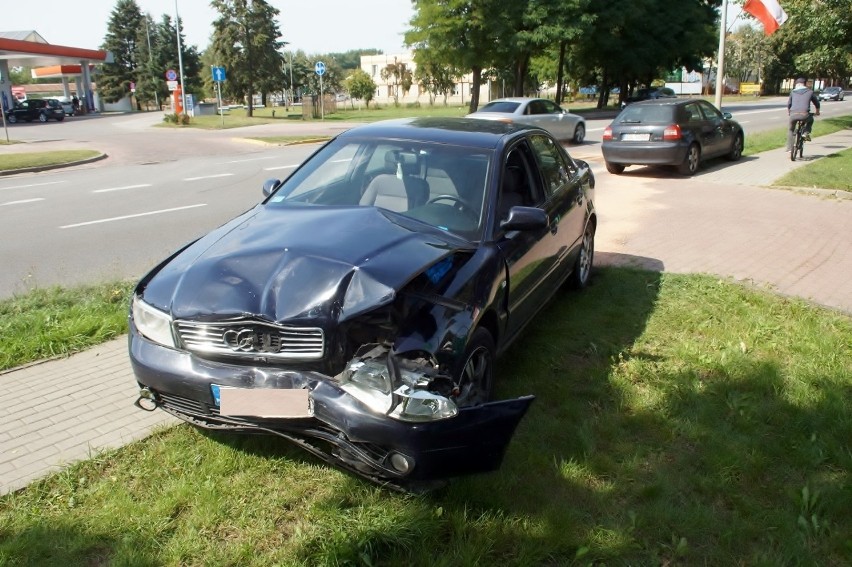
{"x": 521, "y": 66}
{"x": 474, "y": 88}
{"x": 559, "y": 74}
{"x": 604, "y": 88}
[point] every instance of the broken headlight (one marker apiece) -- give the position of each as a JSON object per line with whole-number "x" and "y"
{"x": 152, "y": 323}
{"x": 369, "y": 380}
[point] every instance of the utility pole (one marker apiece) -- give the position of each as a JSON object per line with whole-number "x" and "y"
{"x": 180, "y": 59}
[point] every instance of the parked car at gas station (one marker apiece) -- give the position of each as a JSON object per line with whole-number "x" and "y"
{"x": 36, "y": 109}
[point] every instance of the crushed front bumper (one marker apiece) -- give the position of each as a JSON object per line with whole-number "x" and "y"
{"x": 341, "y": 430}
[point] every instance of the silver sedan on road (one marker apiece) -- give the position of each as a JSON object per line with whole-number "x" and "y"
{"x": 536, "y": 112}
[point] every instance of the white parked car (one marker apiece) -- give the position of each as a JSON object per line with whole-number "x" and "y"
{"x": 540, "y": 112}
{"x": 65, "y": 102}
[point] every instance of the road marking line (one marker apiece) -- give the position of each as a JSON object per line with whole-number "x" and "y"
{"x": 161, "y": 211}
{"x": 22, "y": 201}
{"x": 280, "y": 167}
{"x": 32, "y": 185}
{"x": 121, "y": 188}
{"x": 252, "y": 159}
{"x": 208, "y": 177}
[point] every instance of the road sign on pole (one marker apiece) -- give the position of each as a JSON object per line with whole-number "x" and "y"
{"x": 171, "y": 75}
{"x": 218, "y": 74}
{"x": 319, "y": 68}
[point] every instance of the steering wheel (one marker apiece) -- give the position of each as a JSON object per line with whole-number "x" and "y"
{"x": 459, "y": 203}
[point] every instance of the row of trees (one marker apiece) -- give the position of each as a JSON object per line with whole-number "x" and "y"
{"x": 522, "y": 44}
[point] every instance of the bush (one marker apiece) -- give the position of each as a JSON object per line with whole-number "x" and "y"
{"x": 180, "y": 119}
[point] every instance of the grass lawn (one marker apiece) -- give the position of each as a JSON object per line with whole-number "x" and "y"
{"x": 772, "y": 139}
{"x": 679, "y": 420}
{"x": 834, "y": 171}
{"x": 37, "y": 159}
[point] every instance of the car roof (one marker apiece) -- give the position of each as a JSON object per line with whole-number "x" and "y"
{"x": 457, "y": 131}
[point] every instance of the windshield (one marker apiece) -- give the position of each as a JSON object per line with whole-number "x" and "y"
{"x": 441, "y": 185}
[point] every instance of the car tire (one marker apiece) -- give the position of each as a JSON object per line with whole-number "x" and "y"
{"x": 736, "y": 148}
{"x": 579, "y": 134}
{"x": 690, "y": 161}
{"x": 42, "y": 117}
{"x": 475, "y": 373}
{"x": 12, "y": 119}
{"x": 60, "y": 118}
{"x": 582, "y": 270}
{"x": 615, "y": 168}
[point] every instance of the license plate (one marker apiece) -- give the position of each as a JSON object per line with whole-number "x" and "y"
{"x": 262, "y": 402}
{"x": 635, "y": 137}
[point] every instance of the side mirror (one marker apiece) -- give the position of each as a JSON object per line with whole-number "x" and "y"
{"x": 269, "y": 186}
{"x": 524, "y": 218}
{"x": 727, "y": 115}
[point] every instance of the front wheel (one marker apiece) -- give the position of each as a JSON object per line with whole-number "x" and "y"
{"x": 42, "y": 117}
{"x": 12, "y": 118}
{"x": 475, "y": 375}
{"x": 582, "y": 271}
{"x": 736, "y": 148}
{"x": 690, "y": 162}
{"x": 579, "y": 134}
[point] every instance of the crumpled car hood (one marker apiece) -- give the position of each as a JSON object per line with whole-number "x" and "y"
{"x": 300, "y": 262}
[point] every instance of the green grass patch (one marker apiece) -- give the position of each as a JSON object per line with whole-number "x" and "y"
{"x": 772, "y": 139}
{"x": 679, "y": 420}
{"x": 54, "y": 321}
{"x": 39, "y": 159}
{"x": 834, "y": 171}
{"x": 233, "y": 119}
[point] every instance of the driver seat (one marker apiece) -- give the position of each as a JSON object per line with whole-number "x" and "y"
{"x": 399, "y": 191}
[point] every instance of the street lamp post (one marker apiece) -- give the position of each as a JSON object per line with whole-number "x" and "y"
{"x": 180, "y": 59}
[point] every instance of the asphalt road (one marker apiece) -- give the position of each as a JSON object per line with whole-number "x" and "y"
{"x": 161, "y": 188}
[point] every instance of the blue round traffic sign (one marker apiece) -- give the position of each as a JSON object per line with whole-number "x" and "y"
{"x": 319, "y": 68}
{"x": 171, "y": 75}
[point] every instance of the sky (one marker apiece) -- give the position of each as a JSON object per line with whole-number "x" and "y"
{"x": 314, "y": 26}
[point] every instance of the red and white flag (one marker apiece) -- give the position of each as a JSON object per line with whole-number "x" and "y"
{"x": 769, "y": 12}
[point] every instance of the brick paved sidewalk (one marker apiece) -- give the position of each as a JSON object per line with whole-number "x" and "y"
{"x": 61, "y": 411}
{"x": 64, "y": 410}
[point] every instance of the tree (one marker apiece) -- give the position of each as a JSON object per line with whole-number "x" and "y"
{"x": 361, "y": 85}
{"x": 463, "y": 34}
{"x": 245, "y": 40}
{"x": 435, "y": 78}
{"x": 121, "y": 40}
{"x": 401, "y": 75}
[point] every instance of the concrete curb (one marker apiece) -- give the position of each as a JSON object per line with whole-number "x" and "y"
{"x": 53, "y": 166}
{"x": 317, "y": 140}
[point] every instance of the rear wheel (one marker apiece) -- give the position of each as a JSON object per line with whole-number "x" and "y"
{"x": 12, "y": 118}
{"x": 475, "y": 376}
{"x": 42, "y": 117}
{"x": 615, "y": 168}
{"x": 579, "y": 134}
{"x": 691, "y": 161}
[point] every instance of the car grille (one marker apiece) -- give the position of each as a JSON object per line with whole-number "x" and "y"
{"x": 251, "y": 339}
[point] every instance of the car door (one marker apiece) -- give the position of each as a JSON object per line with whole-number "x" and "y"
{"x": 564, "y": 202}
{"x": 547, "y": 115}
{"x": 723, "y": 130}
{"x": 702, "y": 129}
{"x": 530, "y": 255}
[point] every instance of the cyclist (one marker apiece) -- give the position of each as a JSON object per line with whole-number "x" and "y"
{"x": 798, "y": 108}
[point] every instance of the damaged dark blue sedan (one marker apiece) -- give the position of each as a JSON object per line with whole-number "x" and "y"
{"x": 358, "y": 310}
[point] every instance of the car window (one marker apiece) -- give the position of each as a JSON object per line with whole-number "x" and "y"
{"x": 554, "y": 170}
{"x": 500, "y": 106}
{"x": 693, "y": 113}
{"x": 639, "y": 113}
{"x": 537, "y": 107}
{"x": 551, "y": 108}
{"x": 517, "y": 182}
{"x": 667, "y": 91}
{"x": 710, "y": 112}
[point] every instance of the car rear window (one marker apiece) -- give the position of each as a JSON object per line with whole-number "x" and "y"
{"x": 638, "y": 113}
{"x": 507, "y": 107}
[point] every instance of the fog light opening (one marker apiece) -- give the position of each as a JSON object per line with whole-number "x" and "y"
{"x": 147, "y": 400}
{"x": 401, "y": 463}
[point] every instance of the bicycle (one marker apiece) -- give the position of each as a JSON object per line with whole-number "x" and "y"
{"x": 799, "y": 139}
